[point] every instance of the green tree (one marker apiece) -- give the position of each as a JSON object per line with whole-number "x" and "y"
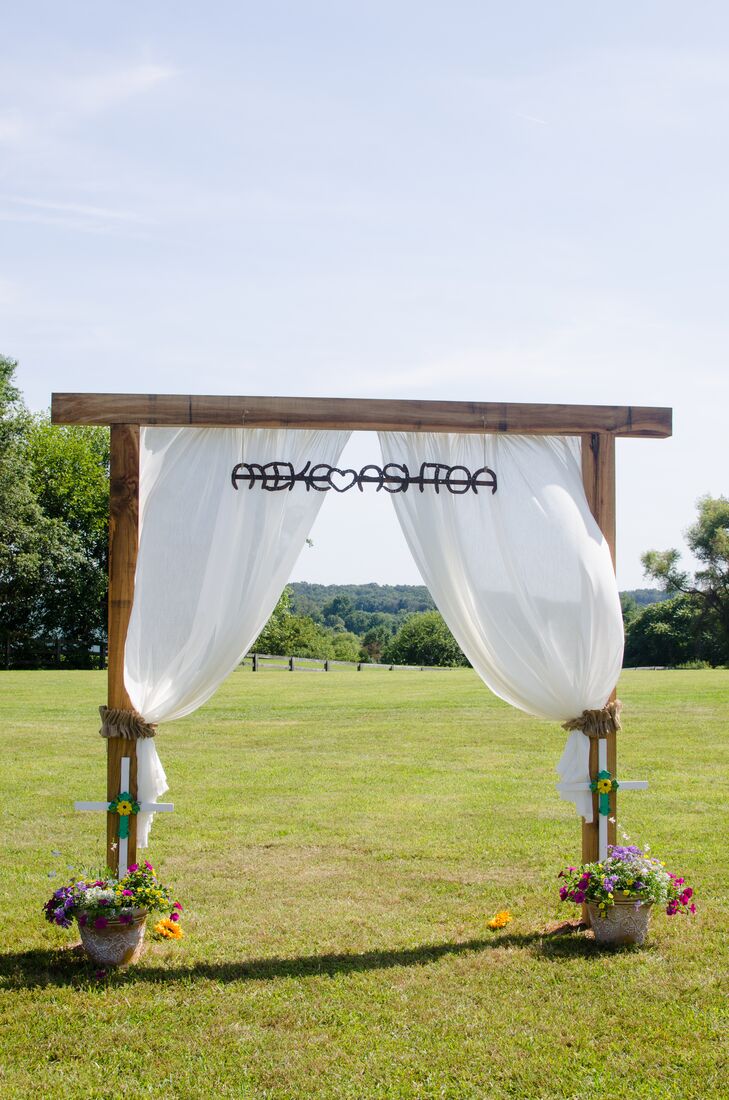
{"x": 308, "y": 639}
{"x": 374, "y": 642}
{"x": 274, "y": 638}
{"x": 708, "y": 540}
{"x": 424, "y": 639}
{"x": 673, "y": 632}
{"x": 52, "y": 558}
{"x": 346, "y": 646}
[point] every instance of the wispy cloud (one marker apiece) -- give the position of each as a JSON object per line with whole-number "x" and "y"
{"x": 79, "y": 217}
{"x": 54, "y": 103}
{"x": 96, "y": 213}
{"x": 95, "y": 92}
{"x": 532, "y": 118}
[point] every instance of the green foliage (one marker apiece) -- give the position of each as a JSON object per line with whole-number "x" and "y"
{"x": 424, "y": 639}
{"x": 672, "y": 633}
{"x": 374, "y": 642}
{"x": 52, "y": 533}
{"x": 708, "y": 590}
{"x": 69, "y": 475}
{"x": 346, "y": 646}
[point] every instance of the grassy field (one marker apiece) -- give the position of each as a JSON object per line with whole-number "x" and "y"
{"x": 340, "y": 842}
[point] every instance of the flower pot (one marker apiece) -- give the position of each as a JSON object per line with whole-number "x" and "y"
{"x": 626, "y": 921}
{"x": 119, "y": 943}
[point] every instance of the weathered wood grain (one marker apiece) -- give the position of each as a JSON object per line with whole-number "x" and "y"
{"x": 358, "y": 414}
{"x": 598, "y": 475}
{"x": 123, "y": 533}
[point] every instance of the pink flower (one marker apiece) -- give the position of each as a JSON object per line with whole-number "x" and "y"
{"x": 177, "y": 906}
{"x": 148, "y": 865}
{"x": 692, "y": 908}
{"x": 688, "y": 893}
{"x": 133, "y": 867}
{"x": 174, "y": 916}
{"x": 563, "y": 892}
{"x": 578, "y": 896}
{"x": 128, "y": 893}
{"x": 100, "y": 922}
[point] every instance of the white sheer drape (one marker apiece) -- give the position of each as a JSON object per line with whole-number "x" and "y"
{"x": 211, "y": 565}
{"x": 523, "y": 577}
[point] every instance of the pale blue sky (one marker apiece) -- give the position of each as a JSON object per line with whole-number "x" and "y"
{"x": 487, "y": 201}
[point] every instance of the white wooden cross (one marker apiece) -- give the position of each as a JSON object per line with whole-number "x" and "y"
{"x": 144, "y": 808}
{"x": 603, "y": 799}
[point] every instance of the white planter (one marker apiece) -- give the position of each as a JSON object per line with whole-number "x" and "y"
{"x": 118, "y": 944}
{"x": 626, "y": 921}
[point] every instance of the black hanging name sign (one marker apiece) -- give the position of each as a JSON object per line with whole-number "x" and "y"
{"x": 395, "y": 477}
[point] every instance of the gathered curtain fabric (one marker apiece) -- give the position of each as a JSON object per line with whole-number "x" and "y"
{"x": 212, "y": 562}
{"x": 523, "y": 576}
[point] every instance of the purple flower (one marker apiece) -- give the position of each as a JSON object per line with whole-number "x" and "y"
{"x": 578, "y": 896}
{"x": 126, "y": 918}
{"x": 100, "y": 922}
{"x": 625, "y": 852}
{"x": 563, "y": 891}
{"x": 83, "y": 920}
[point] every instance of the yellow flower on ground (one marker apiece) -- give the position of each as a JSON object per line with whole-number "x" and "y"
{"x": 170, "y": 929}
{"x": 499, "y": 920}
{"x": 604, "y": 786}
{"x": 124, "y": 808}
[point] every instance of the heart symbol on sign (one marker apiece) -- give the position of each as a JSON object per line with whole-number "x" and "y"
{"x": 341, "y": 480}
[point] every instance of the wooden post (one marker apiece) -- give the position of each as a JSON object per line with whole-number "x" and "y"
{"x": 123, "y": 534}
{"x": 254, "y": 662}
{"x": 598, "y": 475}
{"x": 291, "y": 664}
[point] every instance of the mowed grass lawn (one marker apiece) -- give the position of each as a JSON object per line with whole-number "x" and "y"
{"x": 340, "y": 842}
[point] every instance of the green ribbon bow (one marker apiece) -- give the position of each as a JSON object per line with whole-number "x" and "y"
{"x": 124, "y": 796}
{"x": 604, "y": 800}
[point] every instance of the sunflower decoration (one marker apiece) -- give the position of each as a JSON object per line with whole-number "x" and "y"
{"x": 124, "y": 805}
{"x": 604, "y": 785}
{"x": 168, "y": 929}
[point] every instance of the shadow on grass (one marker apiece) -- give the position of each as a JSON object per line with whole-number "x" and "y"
{"x": 36, "y": 969}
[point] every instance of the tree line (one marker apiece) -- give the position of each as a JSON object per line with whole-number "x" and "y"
{"x": 53, "y": 573}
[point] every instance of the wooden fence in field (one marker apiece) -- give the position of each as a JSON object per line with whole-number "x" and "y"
{"x": 258, "y": 661}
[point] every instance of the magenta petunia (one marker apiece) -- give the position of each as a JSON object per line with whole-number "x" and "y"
{"x": 100, "y": 922}
{"x": 133, "y": 867}
{"x": 177, "y": 906}
{"x": 126, "y": 918}
{"x": 174, "y": 916}
{"x": 128, "y": 893}
{"x": 83, "y": 920}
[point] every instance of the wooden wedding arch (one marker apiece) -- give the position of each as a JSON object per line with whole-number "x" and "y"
{"x": 597, "y": 425}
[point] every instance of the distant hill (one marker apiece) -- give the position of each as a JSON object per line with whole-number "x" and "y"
{"x": 399, "y": 599}
{"x": 645, "y": 596}
{"x": 390, "y": 599}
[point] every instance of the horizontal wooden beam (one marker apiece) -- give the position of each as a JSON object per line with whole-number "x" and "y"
{"x": 358, "y": 414}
